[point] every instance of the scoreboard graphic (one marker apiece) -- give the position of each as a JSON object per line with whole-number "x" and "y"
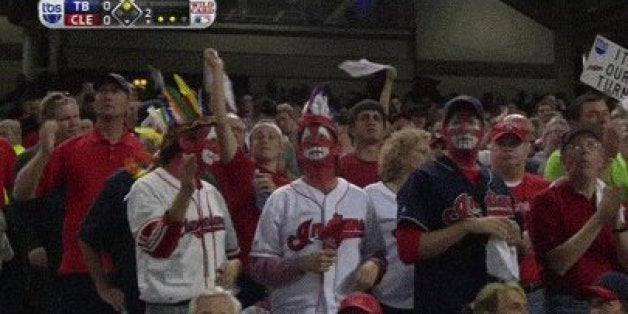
{"x": 134, "y": 14}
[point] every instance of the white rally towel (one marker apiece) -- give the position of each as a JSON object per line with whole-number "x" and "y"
{"x": 362, "y": 67}
{"x": 624, "y": 103}
{"x": 501, "y": 260}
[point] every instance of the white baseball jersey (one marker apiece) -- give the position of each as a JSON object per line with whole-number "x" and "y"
{"x": 396, "y": 289}
{"x": 203, "y": 246}
{"x": 289, "y": 228}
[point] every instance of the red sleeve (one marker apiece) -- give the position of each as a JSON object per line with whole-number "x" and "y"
{"x": 9, "y": 165}
{"x": 8, "y": 170}
{"x": 273, "y": 271}
{"x": 239, "y": 169}
{"x": 408, "y": 237}
{"x": 159, "y": 237}
{"x": 54, "y": 172}
{"x": 30, "y": 139}
{"x": 546, "y": 231}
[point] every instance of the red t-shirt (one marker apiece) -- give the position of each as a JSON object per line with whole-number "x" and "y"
{"x": 236, "y": 185}
{"x": 358, "y": 171}
{"x": 31, "y": 139}
{"x": 557, "y": 214}
{"x": 7, "y": 169}
{"x": 530, "y": 269}
{"x": 83, "y": 164}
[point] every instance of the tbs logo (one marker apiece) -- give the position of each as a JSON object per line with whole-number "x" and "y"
{"x": 601, "y": 46}
{"x": 51, "y": 13}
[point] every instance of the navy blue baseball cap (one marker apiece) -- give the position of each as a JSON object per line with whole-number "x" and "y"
{"x": 463, "y": 102}
{"x": 116, "y": 79}
{"x": 590, "y": 130}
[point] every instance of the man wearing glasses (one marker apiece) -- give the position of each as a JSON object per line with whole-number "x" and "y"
{"x": 593, "y": 108}
{"x": 578, "y": 226}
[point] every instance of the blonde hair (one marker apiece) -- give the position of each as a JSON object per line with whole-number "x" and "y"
{"x": 396, "y": 151}
{"x": 11, "y": 130}
{"x": 53, "y": 101}
{"x": 216, "y": 292}
{"x": 486, "y": 299}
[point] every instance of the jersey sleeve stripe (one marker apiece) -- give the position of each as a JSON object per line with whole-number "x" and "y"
{"x": 410, "y": 219}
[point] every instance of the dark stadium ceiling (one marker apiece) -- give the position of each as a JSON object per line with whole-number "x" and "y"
{"x": 580, "y": 18}
{"x": 574, "y": 18}
{"x": 347, "y": 13}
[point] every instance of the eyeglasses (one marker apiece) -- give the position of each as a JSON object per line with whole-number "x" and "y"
{"x": 588, "y": 146}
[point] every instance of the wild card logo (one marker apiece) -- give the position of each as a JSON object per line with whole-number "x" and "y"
{"x": 203, "y": 12}
{"x": 464, "y": 206}
{"x": 51, "y": 13}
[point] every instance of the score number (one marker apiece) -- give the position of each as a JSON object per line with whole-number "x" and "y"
{"x": 136, "y": 14}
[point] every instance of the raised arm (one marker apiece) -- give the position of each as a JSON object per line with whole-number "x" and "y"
{"x": 159, "y": 236}
{"x": 384, "y": 97}
{"x": 227, "y": 140}
{"x": 561, "y": 258}
{"x": 28, "y": 178}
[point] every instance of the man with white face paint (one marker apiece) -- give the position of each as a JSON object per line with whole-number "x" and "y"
{"x": 453, "y": 214}
{"x": 317, "y": 239}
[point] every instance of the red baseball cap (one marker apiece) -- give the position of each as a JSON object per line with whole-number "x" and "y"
{"x": 611, "y": 286}
{"x": 360, "y": 301}
{"x": 517, "y": 129}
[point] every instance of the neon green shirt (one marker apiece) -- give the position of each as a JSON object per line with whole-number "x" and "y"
{"x": 617, "y": 175}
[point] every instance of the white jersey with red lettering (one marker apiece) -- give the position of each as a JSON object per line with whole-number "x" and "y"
{"x": 290, "y": 227}
{"x": 396, "y": 289}
{"x": 199, "y": 250}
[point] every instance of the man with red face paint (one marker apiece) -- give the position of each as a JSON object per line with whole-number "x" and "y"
{"x": 185, "y": 241}
{"x": 453, "y": 213}
{"x": 317, "y": 239}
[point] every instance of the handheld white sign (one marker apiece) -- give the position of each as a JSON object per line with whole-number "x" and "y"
{"x": 606, "y": 68}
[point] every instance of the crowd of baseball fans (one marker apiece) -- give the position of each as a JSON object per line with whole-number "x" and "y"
{"x": 312, "y": 203}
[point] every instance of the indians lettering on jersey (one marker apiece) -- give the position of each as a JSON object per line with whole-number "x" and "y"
{"x": 206, "y": 225}
{"x": 499, "y": 205}
{"x": 464, "y": 206}
{"x": 332, "y": 233}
